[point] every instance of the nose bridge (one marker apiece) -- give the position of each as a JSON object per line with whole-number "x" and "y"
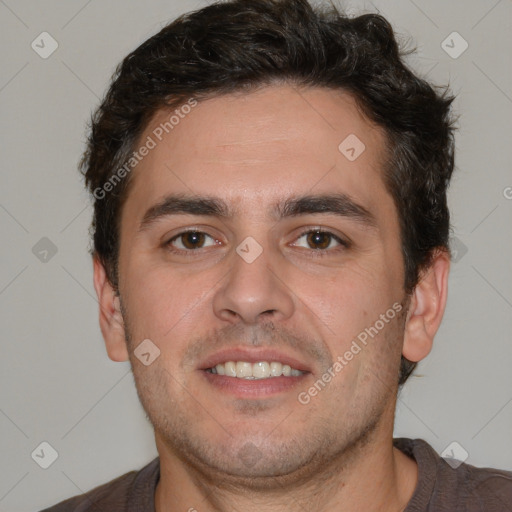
{"x": 253, "y": 286}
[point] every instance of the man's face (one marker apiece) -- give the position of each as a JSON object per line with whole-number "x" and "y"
{"x": 255, "y": 282}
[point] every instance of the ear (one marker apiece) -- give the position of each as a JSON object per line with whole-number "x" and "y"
{"x": 111, "y": 319}
{"x": 426, "y": 308}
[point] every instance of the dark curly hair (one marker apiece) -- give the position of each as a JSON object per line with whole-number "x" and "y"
{"x": 240, "y": 45}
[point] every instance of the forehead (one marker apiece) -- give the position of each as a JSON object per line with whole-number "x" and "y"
{"x": 251, "y": 149}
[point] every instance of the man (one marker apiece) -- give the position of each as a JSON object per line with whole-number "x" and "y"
{"x": 271, "y": 254}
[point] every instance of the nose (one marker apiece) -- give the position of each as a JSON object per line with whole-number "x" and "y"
{"x": 253, "y": 291}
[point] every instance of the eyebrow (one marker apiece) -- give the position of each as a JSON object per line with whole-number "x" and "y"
{"x": 180, "y": 204}
{"x": 334, "y": 204}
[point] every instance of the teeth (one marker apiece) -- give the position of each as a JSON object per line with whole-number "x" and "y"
{"x": 276, "y": 369}
{"x": 230, "y": 368}
{"x": 243, "y": 369}
{"x": 259, "y": 370}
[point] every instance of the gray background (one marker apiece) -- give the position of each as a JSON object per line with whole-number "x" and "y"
{"x": 57, "y": 384}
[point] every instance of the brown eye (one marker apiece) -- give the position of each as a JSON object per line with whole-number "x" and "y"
{"x": 191, "y": 240}
{"x": 319, "y": 240}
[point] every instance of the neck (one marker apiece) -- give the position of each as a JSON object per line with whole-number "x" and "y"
{"x": 372, "y": 476}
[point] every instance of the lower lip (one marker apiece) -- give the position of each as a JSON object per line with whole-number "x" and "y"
{"x": 244, "y": 388}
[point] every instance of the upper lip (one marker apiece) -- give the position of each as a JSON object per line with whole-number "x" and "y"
{"x": 252, "y": 356}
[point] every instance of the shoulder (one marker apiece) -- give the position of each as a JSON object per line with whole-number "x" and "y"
{"x": 448, "y": 484}
{"x": 135, "y": 488}
{"x": 488, "y": 489}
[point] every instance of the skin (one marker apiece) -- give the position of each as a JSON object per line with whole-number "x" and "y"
{"x": 263, "y": 452}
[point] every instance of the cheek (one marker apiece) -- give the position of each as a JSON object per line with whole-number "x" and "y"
{"x": 347, "y": 301}
{"x": 162, "y": 303}
{"x": 347, "y": 309}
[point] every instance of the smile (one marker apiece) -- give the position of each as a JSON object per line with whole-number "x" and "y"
{"x": 254, "y": 371}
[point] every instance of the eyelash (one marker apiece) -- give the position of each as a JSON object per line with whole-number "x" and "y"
{"x": 320, "y": 253}
{"x": 316, "y": 252}
{"x": 170, "y": 247}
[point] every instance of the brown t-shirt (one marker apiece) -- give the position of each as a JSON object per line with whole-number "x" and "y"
{"x": 440, "y": 488}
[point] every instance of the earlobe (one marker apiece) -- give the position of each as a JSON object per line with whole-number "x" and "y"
{"x": 426, "y": 309}
{"x": 110, "y": 317}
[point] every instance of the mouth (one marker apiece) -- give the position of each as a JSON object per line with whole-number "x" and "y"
{"x": 253, "y": 373}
